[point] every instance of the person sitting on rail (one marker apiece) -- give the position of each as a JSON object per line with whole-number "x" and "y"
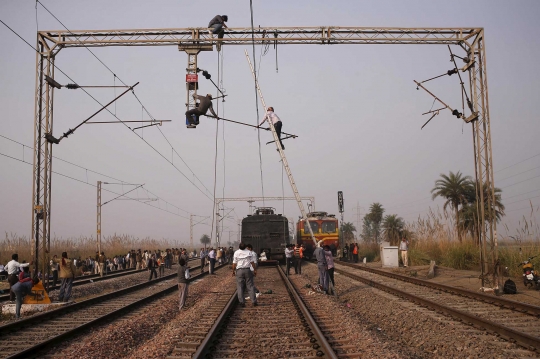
{"x": 205, "y": 104}
{"x": 270, "y": 116}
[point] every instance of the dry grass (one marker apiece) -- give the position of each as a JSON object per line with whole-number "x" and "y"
{"x": 435, "y": 238}
{"x": 82, "y": 246}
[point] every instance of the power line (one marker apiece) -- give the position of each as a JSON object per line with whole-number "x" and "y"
{"x": 92, "y": 185}
{"x": 513, "y": 184}
{"x": 132, "y": 90}
{"x": 520, "y": 194}
{"x": 520, "y": 173}
{"x": 256, "y": 95}
{"x": 515, "y": 164}
{"x": 122, "y": 182}
{"x": 109, "y": 111}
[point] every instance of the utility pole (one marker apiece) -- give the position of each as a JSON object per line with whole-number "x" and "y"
{"x": 98, "y": 229}
{"x": 341, "y": 207}
{"x": 191, "y": 230}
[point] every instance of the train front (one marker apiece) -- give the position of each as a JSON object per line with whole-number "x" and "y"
{"x": 266, "y": 232}
{"x": 325, "y": 228}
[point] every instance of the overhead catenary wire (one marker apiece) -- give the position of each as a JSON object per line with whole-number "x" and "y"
{"x": 256, "y": 95}
{"x": 106, "y": 109}
{"x": 93, "y": 185}
{"x": 115, "y": 76}
{"x": 120, "y": 182}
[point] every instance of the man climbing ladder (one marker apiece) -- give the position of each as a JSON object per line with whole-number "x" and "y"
{"x": 276, "y": 121}
{"x": 205, "y": 104}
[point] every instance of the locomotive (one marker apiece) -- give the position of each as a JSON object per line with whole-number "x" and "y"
{"x": 266, "y": 232}
{"x": 324, "y": 226}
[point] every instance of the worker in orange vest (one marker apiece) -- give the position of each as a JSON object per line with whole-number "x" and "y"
{"x": 298, "y": 255}
{"x": 355, "y": 253}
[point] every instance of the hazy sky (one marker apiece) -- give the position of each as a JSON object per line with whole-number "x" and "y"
{"x": 355, "y": 109}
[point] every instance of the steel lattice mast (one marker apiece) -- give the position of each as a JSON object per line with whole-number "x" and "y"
{"x": 194, "y": 40}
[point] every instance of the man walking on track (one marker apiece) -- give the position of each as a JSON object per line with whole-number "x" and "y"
{"x": 276, "y": 121}
{"x": 205, "y": 104}
{"x": 242, "y": 262}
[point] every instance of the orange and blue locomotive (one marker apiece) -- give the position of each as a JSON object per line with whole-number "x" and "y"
{"x": 324, "y": 226}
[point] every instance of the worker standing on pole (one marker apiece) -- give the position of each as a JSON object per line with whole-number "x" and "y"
{"x": 276, "y": 121}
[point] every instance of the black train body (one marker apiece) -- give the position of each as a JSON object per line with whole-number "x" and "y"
{"x": 266, "y": 231}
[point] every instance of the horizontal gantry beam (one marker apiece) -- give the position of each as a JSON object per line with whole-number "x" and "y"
{"x": 239, "y": 36}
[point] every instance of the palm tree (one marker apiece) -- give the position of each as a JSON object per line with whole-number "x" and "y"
{"x": 205, "y": 239}
{"x": 392, "y": 228}
{"x": 469, "y": 212}
{"x": 375, "y": 216}
{"x": 348, "y": 228}
{"x": 454, "y": 188}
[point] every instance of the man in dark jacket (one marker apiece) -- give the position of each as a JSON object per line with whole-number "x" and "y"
{"x": 152, "y": 264}
{"x": 217, "y": 25}
{"x": 205, "y": 104}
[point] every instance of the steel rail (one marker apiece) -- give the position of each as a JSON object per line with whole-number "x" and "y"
{"x": 326, "y": 347}
{"x": 501, "y": 302}
{"x": 92, "y": 278}
{"x": 87, "y": 279}
{"x": 206, "y": 345}
{"x": 522, "y": 339}
{"x": 36, "y": 319}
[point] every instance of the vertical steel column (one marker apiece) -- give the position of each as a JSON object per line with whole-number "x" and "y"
{"x": 191, "y": 230}
{"x": 487, "y": 220}
{"x": 98, "y": 228}
{"x": 282, "y": 154}
{"x": 41, "y": 182}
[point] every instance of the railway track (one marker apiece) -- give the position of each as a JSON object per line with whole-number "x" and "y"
{"x": 90, "y": 279}
{"x": 280, "y": 326}
{"x": 87, "y": 279}
{"x": 26, "y": 338}
{"x": 517, "y": 322}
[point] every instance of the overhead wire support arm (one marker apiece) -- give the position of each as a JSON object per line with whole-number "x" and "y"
{"x": 51, "y": 139}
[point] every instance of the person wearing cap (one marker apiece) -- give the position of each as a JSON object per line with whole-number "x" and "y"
{"x": 205, "y": 104}
{"x": 322, "y": 266}
{"x": 270, "y": 116}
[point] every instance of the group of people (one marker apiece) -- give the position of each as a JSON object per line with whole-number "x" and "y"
{"x": 210, "y": 256}
{"x": 293, "y": 257}
{"x": 350, "y": 252}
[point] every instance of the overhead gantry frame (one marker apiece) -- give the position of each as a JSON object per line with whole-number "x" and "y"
{"x": 194, "y": 40}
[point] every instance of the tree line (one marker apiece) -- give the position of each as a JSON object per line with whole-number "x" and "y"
{"x": 461, "y": 196}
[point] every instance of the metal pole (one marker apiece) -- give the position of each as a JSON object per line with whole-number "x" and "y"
{"x": 282, "y": 155}
{"x": 98, "y": 228}
{"x": 191, "y": 230}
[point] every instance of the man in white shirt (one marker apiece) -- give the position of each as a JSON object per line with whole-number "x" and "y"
{"x": 13, "y": 270}
{"x": 212, "y": 259}
{"x": 276, "y": 121}
{"x": 242, "y": 262}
